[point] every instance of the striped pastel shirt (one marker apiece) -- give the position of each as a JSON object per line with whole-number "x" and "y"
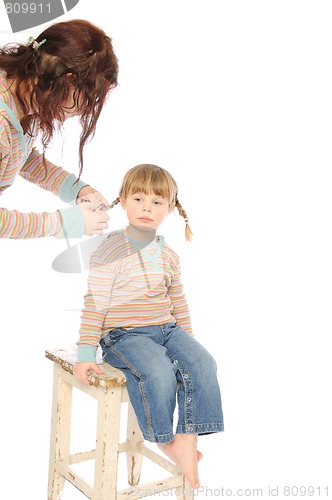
{"x": 129, "y": 286}
{"x": 17, "y": 156}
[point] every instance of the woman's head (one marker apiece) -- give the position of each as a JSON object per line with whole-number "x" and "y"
{"x": 72, "y": 72}
{"x": 150, "y": 179}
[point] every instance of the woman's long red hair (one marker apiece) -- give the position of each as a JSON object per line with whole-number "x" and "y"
{"x": 76, "y": 55}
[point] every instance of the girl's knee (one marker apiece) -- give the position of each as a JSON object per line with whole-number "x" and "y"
{"x": 207, "y": 361}
{"x": 162, "y": 384}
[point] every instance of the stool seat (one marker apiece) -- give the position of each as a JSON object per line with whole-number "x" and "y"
{"x": 110, "y": 391}
{"x": 66, "y": 358}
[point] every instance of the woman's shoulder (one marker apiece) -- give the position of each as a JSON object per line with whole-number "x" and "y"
{"x": 5, "y": 94}
{"x": 5, "y": 135}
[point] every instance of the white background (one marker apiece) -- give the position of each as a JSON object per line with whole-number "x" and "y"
{"x": 234, "y": 99}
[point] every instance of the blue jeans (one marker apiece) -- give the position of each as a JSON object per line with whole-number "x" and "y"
{"x": 154, "y": 360}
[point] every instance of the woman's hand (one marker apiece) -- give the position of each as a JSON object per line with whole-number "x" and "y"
{"x": 95, "y": 221}
{"x": 82, "y": 368}
{"x": 89, "y": 195}
{"x": 90, "y": 201}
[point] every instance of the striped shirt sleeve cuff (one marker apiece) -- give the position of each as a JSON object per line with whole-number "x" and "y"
{"x": 72, "y": 222}
{"x": 70, "y": 190}
{"x": 86, "y": 353}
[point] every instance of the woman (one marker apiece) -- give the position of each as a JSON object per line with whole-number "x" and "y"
{"x": 68, "y": 70}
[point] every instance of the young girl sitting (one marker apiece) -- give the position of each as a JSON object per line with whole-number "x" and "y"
{"x": 136, "y": 310}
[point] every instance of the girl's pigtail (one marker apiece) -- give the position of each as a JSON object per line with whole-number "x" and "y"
{"x": 183, "y": 214}
{"x": 115, "y": 202}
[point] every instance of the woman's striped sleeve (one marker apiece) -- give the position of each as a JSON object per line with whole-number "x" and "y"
{"x": 42, "y": 172}
{"x": 18, "y": 225}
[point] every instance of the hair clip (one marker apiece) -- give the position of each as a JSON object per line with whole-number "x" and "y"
{"x": 186, "y": 220}
{"x": 34, "y": 44}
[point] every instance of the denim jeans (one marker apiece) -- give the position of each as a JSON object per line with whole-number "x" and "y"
{"x": 154, "y": 360}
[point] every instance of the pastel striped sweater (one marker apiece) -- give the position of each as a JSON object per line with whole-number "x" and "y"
{"x": 18, "y": 156}
{"x": 130, "y": 286}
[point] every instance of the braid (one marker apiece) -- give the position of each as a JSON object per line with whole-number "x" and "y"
{"x": 183, "y": 214}
{"x": 115, "y": 202}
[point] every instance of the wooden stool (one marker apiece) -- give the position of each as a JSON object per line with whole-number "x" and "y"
{"x": 110, "y": 391}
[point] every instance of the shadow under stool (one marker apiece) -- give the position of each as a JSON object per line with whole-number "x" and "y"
{"x": 110, "y": 392}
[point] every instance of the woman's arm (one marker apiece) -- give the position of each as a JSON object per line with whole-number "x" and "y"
{"x": 71, "y": 222}
{"x": 50, "y": 177}
{"x": 18, "y": 225}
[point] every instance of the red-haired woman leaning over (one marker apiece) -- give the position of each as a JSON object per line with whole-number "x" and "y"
{"x": 68, "y": 70}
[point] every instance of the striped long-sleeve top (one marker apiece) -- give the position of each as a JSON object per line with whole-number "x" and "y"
{"x": 130, "y": 285}
{"x": 18, "y": 156}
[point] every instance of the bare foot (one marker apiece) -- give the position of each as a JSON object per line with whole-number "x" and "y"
{"x": 183, "y": 451}
{"x": 199, "y": 454}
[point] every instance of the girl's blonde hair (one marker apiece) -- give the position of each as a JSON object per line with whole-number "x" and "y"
{"x": 148, "y": 178}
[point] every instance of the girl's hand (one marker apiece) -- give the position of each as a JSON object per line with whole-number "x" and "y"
{"x": 95, "y": 221}
{"x": 92, "y": 197}
{"x": 82, "y": 368}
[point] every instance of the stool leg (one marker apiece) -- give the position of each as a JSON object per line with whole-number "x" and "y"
{"x": 107, "y": 443}
{"x": 60, "y": 432}
{"x": 134, "y": 458}
{"x": 185, "y": 492}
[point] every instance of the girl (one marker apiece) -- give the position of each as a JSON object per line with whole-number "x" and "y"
{"x": 136, "y": 309}
{"x": 68, "y": 70}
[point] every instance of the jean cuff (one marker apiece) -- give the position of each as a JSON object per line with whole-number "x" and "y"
{"x": 164, "y": 438}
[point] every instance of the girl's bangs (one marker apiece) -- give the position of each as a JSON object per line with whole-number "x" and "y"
{"x": 149, "y": 181}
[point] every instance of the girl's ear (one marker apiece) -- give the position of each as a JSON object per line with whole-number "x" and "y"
{"x": 171, "y": 208}
{"x": 123, "y": 202}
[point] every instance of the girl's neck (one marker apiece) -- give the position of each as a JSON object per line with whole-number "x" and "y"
{"x": 141, "y": 233}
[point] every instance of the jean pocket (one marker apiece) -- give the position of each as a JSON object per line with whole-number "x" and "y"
{"x": 112, "y": 337}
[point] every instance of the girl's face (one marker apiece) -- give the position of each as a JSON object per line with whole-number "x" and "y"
{"x": 145, "y": 211}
